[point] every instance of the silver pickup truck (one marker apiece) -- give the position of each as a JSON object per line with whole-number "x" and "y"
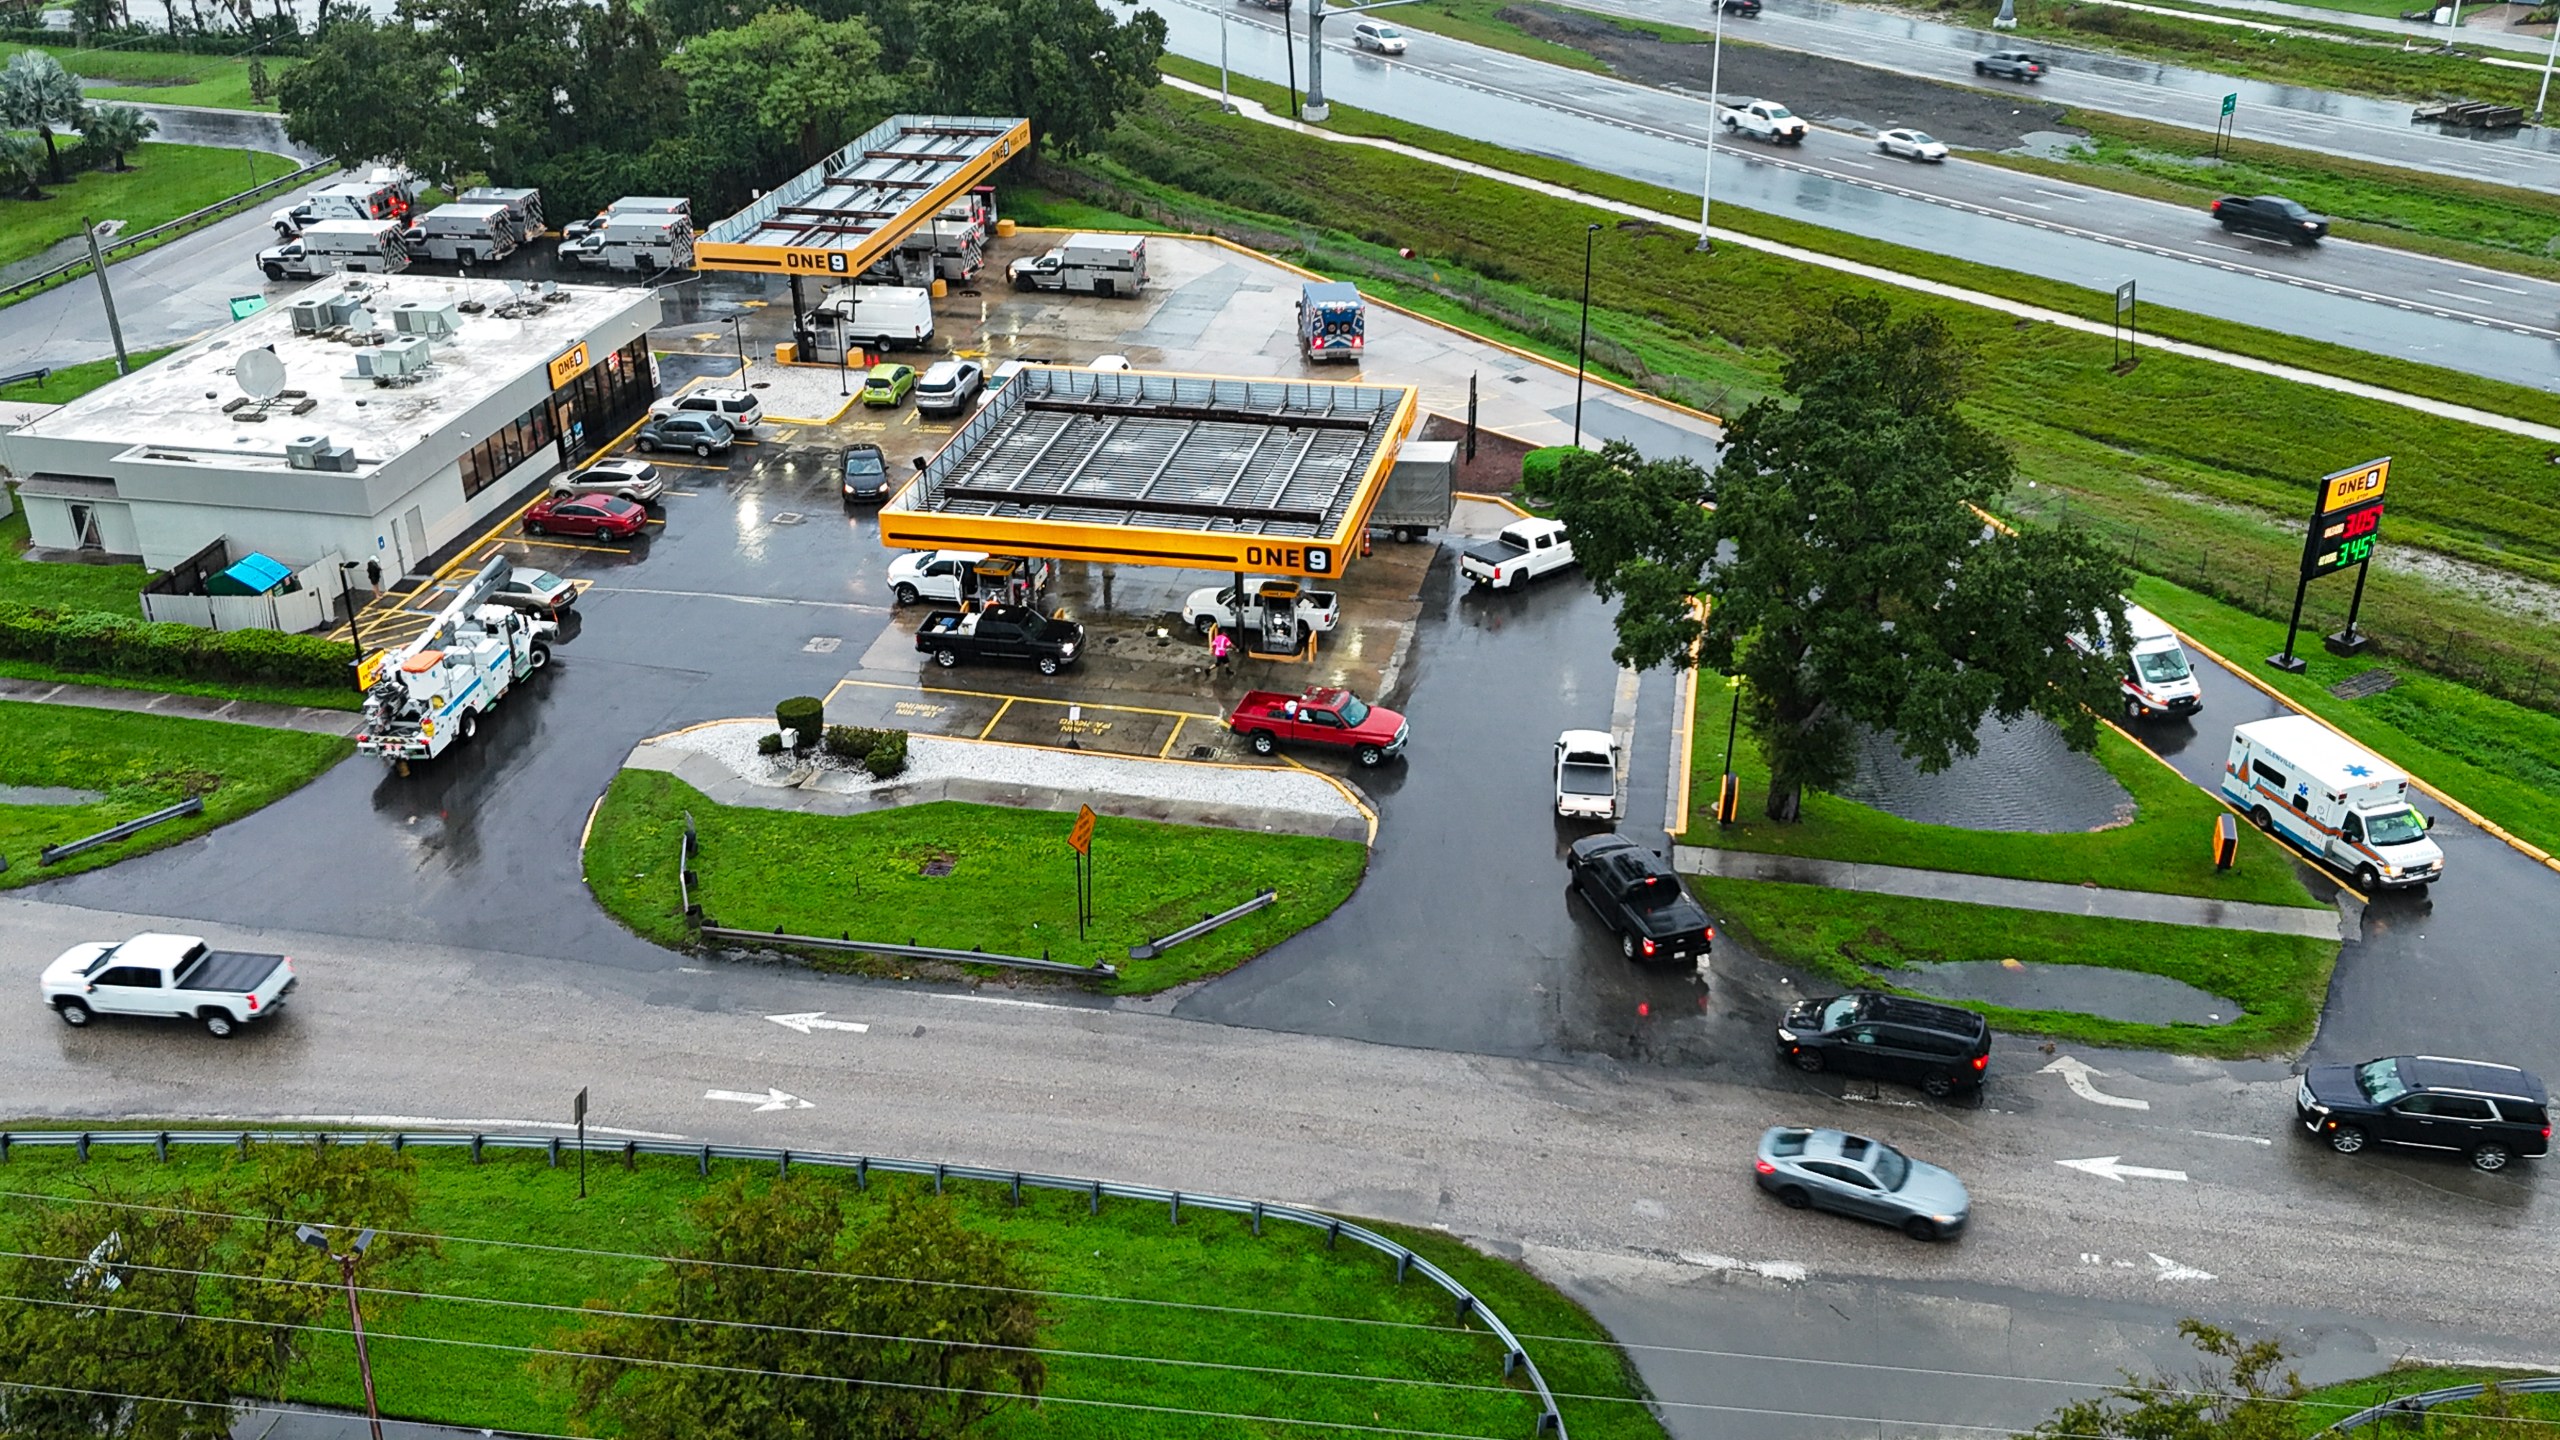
{"x": 167, "y": 977}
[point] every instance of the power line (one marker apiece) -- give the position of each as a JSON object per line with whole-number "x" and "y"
{"x": 756, "y": 1372}
{"x": 334, "y": 1287}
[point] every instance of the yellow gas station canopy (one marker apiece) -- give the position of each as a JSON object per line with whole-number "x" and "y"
{"x": 840, "y": 216}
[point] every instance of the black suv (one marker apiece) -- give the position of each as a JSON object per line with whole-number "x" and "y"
{"x": 2492, "y": 1113}
{"x": 1940, "y": 1048}
{"x": 2269, "y": 217}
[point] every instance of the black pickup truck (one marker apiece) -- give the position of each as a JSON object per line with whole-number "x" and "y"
{"x": 1001, "y": 632}
{"x": 1636, "y": 893}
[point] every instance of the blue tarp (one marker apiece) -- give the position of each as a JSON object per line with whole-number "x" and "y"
{"x": 256, "y": 574}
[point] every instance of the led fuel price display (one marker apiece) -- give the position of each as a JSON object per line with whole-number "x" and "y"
{"x": 2342, "y": 538}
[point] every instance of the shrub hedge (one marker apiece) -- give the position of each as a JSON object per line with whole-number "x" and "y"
{"x": 804, "y": 716}
{"x": 99, "y": 642}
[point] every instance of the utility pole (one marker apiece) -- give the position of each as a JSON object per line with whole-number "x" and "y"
{"x": 98, "y": 267}
{"x": 1715, "y": 119}
{"x": 318, "y": 1239}
{"x": 2547, "y": 59}
{"x": 1317, "y": 110}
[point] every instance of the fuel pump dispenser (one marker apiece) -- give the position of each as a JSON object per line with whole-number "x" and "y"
{"x": 1281, "y": 632}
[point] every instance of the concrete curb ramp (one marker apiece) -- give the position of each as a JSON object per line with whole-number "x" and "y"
{"x": 2042, "y": 895}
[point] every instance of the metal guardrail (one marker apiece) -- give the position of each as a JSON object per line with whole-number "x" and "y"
{"x": 1206, "y": 923}
{"x": 192, "y": 805}
{"x": 2414, "y": 1407}
{"x": 1098, "y": 971}
{"x": 43, "y": 278}
{"x": 1515, "y": 1357}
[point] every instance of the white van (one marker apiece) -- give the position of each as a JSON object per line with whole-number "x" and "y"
{"x": 2301, "y": 781}
{"x": 2158, "y": 679}
{"x": 884, "y": 317}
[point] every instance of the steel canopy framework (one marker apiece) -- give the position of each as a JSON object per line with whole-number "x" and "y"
{"x": 1191, "y": 472}
{"x": 841, "y": 215}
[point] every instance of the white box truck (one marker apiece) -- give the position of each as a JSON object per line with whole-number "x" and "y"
{"x": 326, "y": 247}
{"x": 460, "y": 234}
{"x": 1420, "y": 490}
{"x": 630, "y": 205}
{"x": 523, "y": 205}
{"x": 2158, "y": 679}
{"x": 884, "y": 317}
{"x": 2343, "y": 806}
{"x": 642, "y": 240}
{"x": 1104, "y": 265}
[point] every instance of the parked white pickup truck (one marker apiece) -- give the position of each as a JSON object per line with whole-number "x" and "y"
{"x": 1764, "y": 120}
{"x": 1213, "y": 605}
{"x": 170, "y": 977}
{"x": 1586, "y": 775}
{"x": 1522, "y": 550}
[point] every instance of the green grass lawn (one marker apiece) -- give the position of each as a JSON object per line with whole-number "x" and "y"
{"x": 2500, "y": 759}
{"x": 2329, "y": 1404}
{"x": 116, "y": 588}
{"x": 65, "y": 384}
{"x": 1854, "y": 939}
{"x": 139, "y": 763}
{"x": 165, "y": 77}
{"x": 1010, "y": 888}
{"x": 167, "y": 181}
{"x": 1284, "y": 1297}
{"x": 1480, "y": 22}
{"x": 2165, "y": 848}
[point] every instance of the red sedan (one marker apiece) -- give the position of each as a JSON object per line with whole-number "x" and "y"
{"x": 608, "y": 515}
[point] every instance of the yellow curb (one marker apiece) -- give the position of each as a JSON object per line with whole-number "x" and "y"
{"x": 1504, "y": 501}
{"x": 2522, "y": 846}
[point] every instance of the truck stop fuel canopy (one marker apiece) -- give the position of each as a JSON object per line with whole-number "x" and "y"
{"x": 1190, "y": 472}
{"x": 845, "y": 212}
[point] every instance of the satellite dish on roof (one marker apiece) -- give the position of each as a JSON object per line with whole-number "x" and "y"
{"x": 260, "y": 373}
{"x": 364, "y": 322}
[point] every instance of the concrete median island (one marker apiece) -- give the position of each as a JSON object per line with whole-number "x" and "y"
{"x": 969, "y": 851}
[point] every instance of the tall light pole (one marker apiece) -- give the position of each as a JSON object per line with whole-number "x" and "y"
{"x": 738, "y": 331}
{"x": 347, "y": 588}
{"x": 1715, "y": 119}
{"x": 1582, "y": 347}
{"x": 318, "y": 1239}
{"x": 2552, "y": 55}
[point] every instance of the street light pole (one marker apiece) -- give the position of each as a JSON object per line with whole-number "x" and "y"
{"x": 738, "y": 330}
{"x": 1583, "y": 346}
{"x": 1715, "y": 117}
{"x": 106, "y": 296}
{"x": 318, "y": 1239}
{"x": 2550, "y": 56}
{"x": 346, "y": 588}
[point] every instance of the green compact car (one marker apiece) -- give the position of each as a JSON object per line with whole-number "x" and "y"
{"x": 888, "y": 384}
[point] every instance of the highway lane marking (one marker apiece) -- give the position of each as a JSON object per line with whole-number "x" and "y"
{"x": 2058, "y": 195}
{"x": 1785, "y": 1272}
{"x": 2455, "y": 294}
{"x": 2030, "y": 204}
{"x": 771, "y": 1099}
{"x": 2075, "y": 1073}
{"x": 1017, "y": 1004}
{"x": 2485, "y": 285}
{"x": 2234, "y": 249}
{"x": 816, "y": 1020}
{"x": 2112, "y": 1167}
{"x": 1859, "y": 164}
{"x": 2227, "y": 1135}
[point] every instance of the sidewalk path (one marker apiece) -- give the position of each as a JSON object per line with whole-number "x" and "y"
{"x": 309, "y": 719}
{"x": 298, "y": 1422}
{"x": 1253, "y": 110}
{"x": 2015, "y": 894}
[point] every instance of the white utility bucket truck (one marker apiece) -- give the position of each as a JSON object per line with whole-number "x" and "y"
{"x": 428, "y": 695}
{"x": 2301, "y": 781}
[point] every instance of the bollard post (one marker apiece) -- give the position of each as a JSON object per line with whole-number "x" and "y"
{"x": 706, "y": 1162}
{"x": 1016, "y": 1194}
{"x": 160, "y": 1146}
{"x": 475, "y": 1149}
{"x": 937, "y": 1178}
{"x": 1177, "y": 1207}
{"x": 862, "y": 1172}
{"x": 1257, "y": 1217}
{"x": 1093, "y": 1206}
{"x": 84, "y": 1147}
{"x": 784, "y": 1169}
{"x": 555, "y": 1152}
{"x": 630, "y": 1154}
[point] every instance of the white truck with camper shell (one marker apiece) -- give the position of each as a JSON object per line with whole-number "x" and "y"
{"x": 1104, "y": 265}
{"x": 1519, "y": 552}
{"x": 1765, "y": 120}
{"x": 428, "y": 696}
{"x": 2303, "y": 783}
{"x": 1211, "y": 606}
{"x": 167, "y": 977}
{"x": 1586, "y": 775}
{"x": 328, "y": 247}
{"x": 2157, "y": 677}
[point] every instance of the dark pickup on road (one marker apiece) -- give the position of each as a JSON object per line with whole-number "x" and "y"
{"x": 169, "y": 977}
{"x": 1001, "y": 632}
{"x": 1636, "y": 893}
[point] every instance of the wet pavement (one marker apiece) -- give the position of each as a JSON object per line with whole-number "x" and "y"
{"x": 2364, "y": 297}
{"x": 2130, "y": 995}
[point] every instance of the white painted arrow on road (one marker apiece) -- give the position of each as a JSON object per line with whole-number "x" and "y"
{"x": 773, "y": 1099}
{"x": 815, "y": 1020}
{"x": 2172, "y": 1270}
{"x": 2106, "y": 1167}
{"x": 2075, "y": 1073}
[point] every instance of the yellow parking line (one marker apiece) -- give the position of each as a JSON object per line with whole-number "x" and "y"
{"x": 1034, "y": 699}
{"x": 686, "y": 464}
{"x": 1167, "y": 751}
{"x": 998, "y": 720}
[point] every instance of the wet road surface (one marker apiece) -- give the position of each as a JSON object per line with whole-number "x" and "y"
{"x": 2364, "y": 297}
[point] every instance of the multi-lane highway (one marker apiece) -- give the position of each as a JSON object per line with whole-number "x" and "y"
{"x": 2367, "y": 297}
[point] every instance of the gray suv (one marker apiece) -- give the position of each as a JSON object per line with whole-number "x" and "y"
{"x": 2010, "y": 65}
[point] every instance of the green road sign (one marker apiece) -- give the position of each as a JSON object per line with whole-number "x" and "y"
{"x": 2230, "y": 103}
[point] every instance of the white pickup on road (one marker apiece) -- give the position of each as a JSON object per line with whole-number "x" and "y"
{"x": 1586, "y": 775}
{"x": 1213, "y": 605}
{"x": 1520, "y": 551}
{"x": 168, "y": 977}
{"x": 1764, "y": 120}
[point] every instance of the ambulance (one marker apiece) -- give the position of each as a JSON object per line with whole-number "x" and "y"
{"x": 2156, "y": 678}
{"x": 2302, "y": 782}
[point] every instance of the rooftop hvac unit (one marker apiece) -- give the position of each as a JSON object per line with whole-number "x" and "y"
{"x": 417, "y": 317}
{"x": 310, "y": 317}
{"x": 393, "y": 358}
{"x": 341, "y": 308}
{"x": 302, "y": 452}
{"x": 341, "y": 458}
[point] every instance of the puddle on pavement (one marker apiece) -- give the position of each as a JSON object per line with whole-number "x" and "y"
{"x": 47, "y": 795}
{"x": 2023, "y": 778}
{"x": 2126, "y": 995}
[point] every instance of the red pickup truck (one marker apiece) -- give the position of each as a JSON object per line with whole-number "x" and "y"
{"x": 1319, "y": 717}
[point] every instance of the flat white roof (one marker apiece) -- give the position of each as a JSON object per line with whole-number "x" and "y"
{"x": 174, "y": 406}
{"x": 2316, "y": 749}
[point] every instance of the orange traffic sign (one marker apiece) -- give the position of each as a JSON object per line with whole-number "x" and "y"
{"x": 1080, "y": 839}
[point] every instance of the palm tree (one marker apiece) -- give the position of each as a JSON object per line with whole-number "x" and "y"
{"x": 21, "y": 165}
{"x": 37, "y": 94}
{"x": 116, "y": 131}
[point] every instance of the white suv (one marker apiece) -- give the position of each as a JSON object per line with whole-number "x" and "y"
{"x": 1379, "y": 36}
{"x": 730, "y": 403}
{"x": 948, "y": 386}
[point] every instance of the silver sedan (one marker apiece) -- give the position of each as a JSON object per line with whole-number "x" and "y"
{"x": 1913, "y": 144}
{"x": 1834, "y": 1170}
